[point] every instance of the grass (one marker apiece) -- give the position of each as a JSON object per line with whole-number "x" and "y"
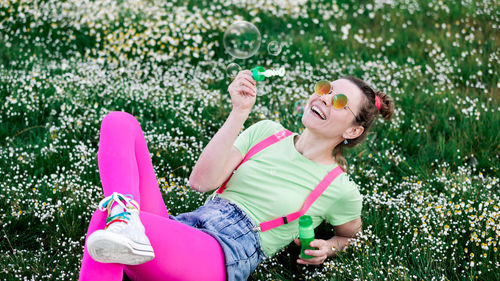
{"x": 429, "y": 177}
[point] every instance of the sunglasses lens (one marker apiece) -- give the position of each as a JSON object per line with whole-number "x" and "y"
{"x": 322, "y": 87}
{"x": 339, "y": 101}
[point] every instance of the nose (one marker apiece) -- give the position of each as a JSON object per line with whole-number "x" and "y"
{"x": 326, "y": 99}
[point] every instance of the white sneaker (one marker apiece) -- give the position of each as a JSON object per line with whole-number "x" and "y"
{"x": 124, "y": 239}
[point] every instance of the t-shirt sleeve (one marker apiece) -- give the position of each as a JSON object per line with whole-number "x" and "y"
{"x": 254, "y": 134}
{"x": 348, "y": 206}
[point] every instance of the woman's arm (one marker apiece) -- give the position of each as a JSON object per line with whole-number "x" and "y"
{"x": 219, "y": 157}
{"x": 342, "y": 234}
{"x": 210, "y": 170}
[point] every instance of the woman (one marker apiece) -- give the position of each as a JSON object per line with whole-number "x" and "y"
{"x": 221, "y": 240}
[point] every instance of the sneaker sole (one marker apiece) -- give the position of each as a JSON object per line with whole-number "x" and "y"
{"x": 107, "y": 247}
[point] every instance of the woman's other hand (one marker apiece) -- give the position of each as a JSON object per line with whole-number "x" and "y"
{"x": 323, "y": 248}
{"x": 243, "y": 92}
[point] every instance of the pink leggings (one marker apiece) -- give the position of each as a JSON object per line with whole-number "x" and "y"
{"x": 181, "y": 252}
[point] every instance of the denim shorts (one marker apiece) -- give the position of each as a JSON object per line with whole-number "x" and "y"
{"x": 234, "y": 230}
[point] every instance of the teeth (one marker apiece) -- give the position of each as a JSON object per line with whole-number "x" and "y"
{"x": 316, "y": 109}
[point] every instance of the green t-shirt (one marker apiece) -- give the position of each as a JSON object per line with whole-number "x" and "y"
{"x": 276, "y": 181}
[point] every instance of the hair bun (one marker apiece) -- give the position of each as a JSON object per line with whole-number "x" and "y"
{"x": 387, "y": 105}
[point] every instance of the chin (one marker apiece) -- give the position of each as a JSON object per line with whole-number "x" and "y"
{"x": 308, "y": 122}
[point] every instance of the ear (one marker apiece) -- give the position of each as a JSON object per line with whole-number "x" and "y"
{"x": 353, "y": 132}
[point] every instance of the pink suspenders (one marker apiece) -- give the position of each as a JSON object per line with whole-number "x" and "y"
{"x": 274, "y": 138}
{"x": 264, "y": 226}
{"x": 268, "y": 225}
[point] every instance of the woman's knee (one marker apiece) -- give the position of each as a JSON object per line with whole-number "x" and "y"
{"x": 116, "y": 119}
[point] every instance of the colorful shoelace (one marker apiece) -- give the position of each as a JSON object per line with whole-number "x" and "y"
{"x": 126, "y": 201}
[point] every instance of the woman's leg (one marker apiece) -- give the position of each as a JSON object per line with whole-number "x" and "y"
{"x": 182, "y": 253}
{"x": 92, "y": 270}
{"x": 125, "y": 164}
{"x": 125, "y": 167}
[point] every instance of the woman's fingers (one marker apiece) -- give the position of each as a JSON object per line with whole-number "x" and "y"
{"x": 316, "y": 253}
{"x": 246, "y": 89}
{"x": 314, "y": 261}
{"x": 246, "y": 75}
{"x": 246, "y": 83}
{"x": 243, "y": 86}
{"x": 250, "y": 79}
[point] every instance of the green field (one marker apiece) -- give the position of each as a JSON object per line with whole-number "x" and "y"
{"x": 429, "y": 178}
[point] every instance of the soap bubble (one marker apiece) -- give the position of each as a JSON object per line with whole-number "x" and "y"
{"x": 241, "y": 39}
{"x": 274, "y": 48}
{"x": 232, "y": 70}
{"x": 473, "y": 161}
{"x": 299, "y": 108}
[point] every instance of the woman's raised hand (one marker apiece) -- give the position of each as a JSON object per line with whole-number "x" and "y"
{"x": 243, "y": 92}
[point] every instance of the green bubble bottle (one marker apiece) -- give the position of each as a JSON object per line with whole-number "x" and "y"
{"x": 306, "y": 235}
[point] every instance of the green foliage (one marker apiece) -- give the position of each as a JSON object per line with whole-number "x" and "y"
{"x": 429, "y": 177}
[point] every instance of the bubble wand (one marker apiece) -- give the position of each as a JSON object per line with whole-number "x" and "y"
{"x": 259, "y": 73}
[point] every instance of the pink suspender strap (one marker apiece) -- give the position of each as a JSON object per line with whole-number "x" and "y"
{"x": 332, "y": 175}
{"x": 255, "y": 149}
{"x": 322, "y": 186}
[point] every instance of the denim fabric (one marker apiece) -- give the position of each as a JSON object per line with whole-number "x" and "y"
{"x": 232, "y": 227}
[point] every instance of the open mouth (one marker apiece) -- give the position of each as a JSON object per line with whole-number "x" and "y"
{"x": 318, "y": 112}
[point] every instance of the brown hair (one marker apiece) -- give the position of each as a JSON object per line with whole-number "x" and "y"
{"x": 366, "y": 115}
